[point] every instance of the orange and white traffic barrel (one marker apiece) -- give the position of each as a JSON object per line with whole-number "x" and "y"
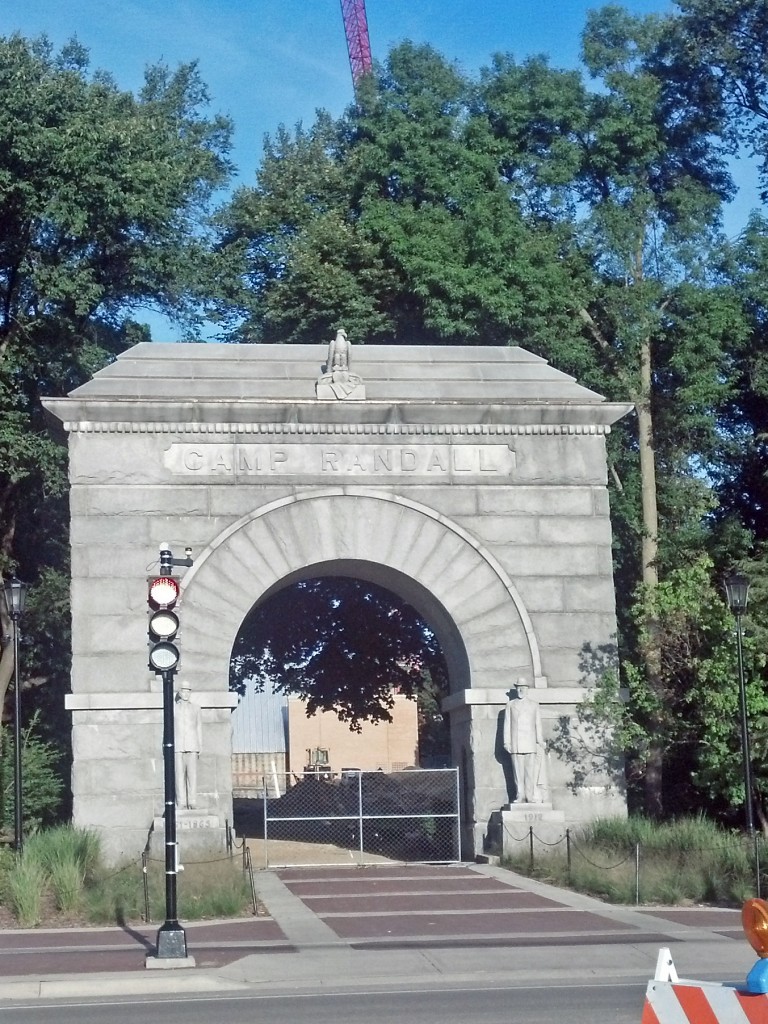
{"x": 700, "y": 1002}
{"x": 673, "y": 1000}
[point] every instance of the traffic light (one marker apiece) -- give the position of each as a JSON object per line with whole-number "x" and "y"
{"x": 163, "y": 623}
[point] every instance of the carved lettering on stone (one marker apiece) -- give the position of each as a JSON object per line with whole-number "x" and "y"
{"x": 427, "y": 462}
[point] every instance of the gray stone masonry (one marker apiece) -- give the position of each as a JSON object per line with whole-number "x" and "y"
{"x": 471, "y": 481}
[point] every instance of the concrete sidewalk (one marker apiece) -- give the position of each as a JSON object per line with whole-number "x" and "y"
{"x": 367, "y": 927}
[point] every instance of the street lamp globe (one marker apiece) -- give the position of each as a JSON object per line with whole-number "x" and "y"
{"x": 737, "y": 592}
{"x": 15, "y": 593}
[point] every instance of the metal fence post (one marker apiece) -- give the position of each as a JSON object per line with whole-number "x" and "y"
{"x": 360, "y": 815}
{"x": 568, "y": 853}
{"x": 637, "y": 874}
{"x": 457, "y": 850}
{"x": 530, "y": 839}
{"x": 756, "y": 837}
{"x": 266, "y": 838}
{"x": 144, "y": 870}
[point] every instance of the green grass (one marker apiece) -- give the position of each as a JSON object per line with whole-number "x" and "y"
{"x": 61, "y": 874}
{"x": 25, "y": 888}
{"x": 691, "y": 860}
{"x": 204, "y": 891}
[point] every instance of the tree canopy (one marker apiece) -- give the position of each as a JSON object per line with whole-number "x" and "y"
{"x": 104, "y": 198}
{"x": 340, "y": 643}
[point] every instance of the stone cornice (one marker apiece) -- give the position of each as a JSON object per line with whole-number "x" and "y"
{"x": 136, "y": 700}
{"x": 81, "y": 415}
{"x": 337, "y": 429}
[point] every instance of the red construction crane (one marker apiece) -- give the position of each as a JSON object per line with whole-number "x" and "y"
{"x": 358, "y": 42}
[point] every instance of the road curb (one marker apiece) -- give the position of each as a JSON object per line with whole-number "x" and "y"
{"x": 85, "y": 986}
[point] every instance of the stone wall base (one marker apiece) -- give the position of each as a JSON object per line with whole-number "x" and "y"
{"x": 516, "y": 828}
{"x": 198, "y": 835}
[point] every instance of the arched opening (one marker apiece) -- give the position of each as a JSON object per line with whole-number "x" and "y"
{"x": 339, "y": 674}
{"x": 350, "y": 639}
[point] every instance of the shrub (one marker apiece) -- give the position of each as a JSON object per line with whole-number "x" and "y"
{"x": 43, "y": 785}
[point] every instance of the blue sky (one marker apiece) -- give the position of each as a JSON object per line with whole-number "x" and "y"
{"x": 268, "y": 62}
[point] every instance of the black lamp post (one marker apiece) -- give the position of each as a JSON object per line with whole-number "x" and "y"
{"x": 15, "y": 598}
{"x": 737, "y": 593}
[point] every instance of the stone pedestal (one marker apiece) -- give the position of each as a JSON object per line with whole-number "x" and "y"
{"x": 509, "y": 829}
{"x": 198, "y": 834}
{"x": 340, "y": 385}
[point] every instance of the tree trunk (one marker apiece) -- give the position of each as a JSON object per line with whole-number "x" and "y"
{"x": 654, "y": 803}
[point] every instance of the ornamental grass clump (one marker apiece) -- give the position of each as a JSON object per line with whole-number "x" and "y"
{"x": 69, "y": 858}
{"x": 60, "y": 877}
{"x": 628, "y": 860}
{"x": 25, "y": 886}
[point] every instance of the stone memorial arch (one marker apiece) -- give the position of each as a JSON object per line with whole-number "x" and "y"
{"x": 469, "y": 481}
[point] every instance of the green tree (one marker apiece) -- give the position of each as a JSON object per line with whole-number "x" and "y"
{"x": 341, "y": 644}
{"x": 380, "y": 221}
{"x": 294, "y": 265}
{"x": 740, "y": 474}
{"x": 632, "y": 176}
{"x": 103, "y": 203}
{"x": 728, "y": 41}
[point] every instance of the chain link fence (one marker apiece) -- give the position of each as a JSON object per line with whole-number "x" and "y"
{"x": 318, "y": 818}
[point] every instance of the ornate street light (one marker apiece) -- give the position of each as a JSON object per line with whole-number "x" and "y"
{"x": 15, "y": 593}
{"x": 737, "y": 594}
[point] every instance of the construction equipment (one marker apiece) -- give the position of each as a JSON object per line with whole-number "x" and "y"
{"x": 358, "y": 41}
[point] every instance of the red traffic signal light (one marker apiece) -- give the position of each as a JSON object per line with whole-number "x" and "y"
{"x": 163, "y": 623}
{"x": 163, "y": 592}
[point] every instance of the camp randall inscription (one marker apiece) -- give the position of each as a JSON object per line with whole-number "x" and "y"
{"x": 470, "y": 481}
{"x": 423, "y": 462}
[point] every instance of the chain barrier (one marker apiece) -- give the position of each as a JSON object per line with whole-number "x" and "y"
{"x": 210, "y": 860}
{"x": 602, "y": 867}
{"x": 543, "y": 842}
{"x": 145, "y": 873}
{"x": 751, "y": 847}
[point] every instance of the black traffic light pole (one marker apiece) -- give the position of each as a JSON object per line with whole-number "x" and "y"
{"x": 171, "y": 941}
{"x": 171, "y": 937}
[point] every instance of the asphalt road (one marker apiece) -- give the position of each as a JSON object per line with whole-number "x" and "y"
{"x": 583, "y": 1004}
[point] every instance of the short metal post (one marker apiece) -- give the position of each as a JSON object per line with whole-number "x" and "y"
{"x": 144, "y": 871}
{"x": 530, "y": 839}
{"x": 458, "y": 815}
{"x": 757, "y": 864}
{"x": 568, "y": 853}
{"x": 637, "y": 874}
